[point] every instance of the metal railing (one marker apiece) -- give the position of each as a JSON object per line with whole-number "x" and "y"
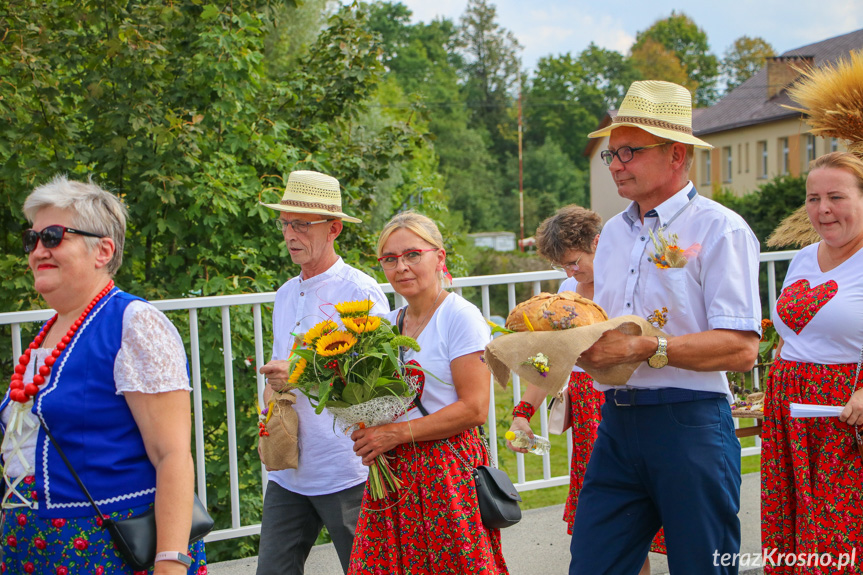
{"x": 256, "y": 301}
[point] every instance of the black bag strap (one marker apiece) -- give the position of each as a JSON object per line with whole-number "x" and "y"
{"x": 69, "y": 465}
{"x": 400, "y": 322}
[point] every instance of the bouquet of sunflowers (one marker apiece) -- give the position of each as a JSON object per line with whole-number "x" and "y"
{"x": 356, "y": 374}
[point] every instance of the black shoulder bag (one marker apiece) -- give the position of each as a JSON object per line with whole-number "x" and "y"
{"x": 498, "y": 498}
{"x": 135, "y": 537}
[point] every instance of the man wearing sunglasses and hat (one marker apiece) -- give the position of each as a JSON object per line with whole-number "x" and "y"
{"x": 666, "y": 454}
{"x": 327, "y": 486}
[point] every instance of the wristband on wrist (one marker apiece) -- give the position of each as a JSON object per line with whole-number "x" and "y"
{"x": 174, "y": 556}
{"x": 523, "y": 409}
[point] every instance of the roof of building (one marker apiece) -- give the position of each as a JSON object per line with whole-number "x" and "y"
{"x": 748, "y": 104}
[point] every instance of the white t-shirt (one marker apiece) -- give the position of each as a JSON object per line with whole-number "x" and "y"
{"x": 457, "y": 328}
{"x": 327, "y": 462}
{"x": 833, "y": 332}
{"x": 152, "y": 359}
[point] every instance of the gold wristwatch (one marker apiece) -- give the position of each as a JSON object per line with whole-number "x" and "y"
{"x": 660, "y": 358}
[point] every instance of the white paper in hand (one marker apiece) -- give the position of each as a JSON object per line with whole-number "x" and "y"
{"x": 806, "y": 410}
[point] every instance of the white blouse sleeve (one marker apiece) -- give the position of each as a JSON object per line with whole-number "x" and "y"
{"x": 152, "y": 358}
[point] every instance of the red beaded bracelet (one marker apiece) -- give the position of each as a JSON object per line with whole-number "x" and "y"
{"x": 523, "y": 409}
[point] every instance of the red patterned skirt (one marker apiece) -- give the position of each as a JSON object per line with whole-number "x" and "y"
{"x": 811, "y": 472}
{"x": 432, "y": 525}
{"x": 586, "y": 405}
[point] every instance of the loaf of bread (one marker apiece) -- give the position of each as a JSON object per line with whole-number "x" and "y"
{"x": 548, "y": 312}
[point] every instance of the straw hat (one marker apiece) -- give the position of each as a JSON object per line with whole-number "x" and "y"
{"x": 660, "y": 108}
{"x": 310, "y": 192}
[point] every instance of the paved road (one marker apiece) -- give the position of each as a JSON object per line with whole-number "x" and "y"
{"x": 539, "y": 543}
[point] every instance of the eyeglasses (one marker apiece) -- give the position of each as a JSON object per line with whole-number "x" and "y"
{"x": 299, "y": 226}
{"x": 625, "y": 153}
{"x": 573, "y": 267}
{"x": 51, "y": 237}
{"x": 410, "y": 258}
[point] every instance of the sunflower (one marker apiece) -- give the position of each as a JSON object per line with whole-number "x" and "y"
{"x": 297, "y": 373}
{"x": 363, "y": 324}
{"x": 322, "y": 328}
{"x": 335, "y": 343}
{"x": 354, "y": 308}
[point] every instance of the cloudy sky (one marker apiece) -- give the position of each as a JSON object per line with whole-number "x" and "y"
{"x": 558, "y": 26}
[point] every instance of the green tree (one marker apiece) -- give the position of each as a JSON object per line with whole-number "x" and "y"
{"x": 679, "y": 34}
{"x": 490, "y": 72}
{"x": 656, "y": 62}
{"x": 743, "y": 59}
{"x": 610, "y": 74}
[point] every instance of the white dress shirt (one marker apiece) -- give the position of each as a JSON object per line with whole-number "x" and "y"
{"x": 327, "y": 462}
{"x": 716, "y": 289}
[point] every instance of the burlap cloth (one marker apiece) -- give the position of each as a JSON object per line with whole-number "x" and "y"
{"x": 563, "y": 348}
{"x": 279, "y": 449}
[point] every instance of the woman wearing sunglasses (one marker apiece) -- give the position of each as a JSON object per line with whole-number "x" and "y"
{"x": 568, "y": 239}
{"x": 431, "y": 526}
{"x": 107, "y": 377}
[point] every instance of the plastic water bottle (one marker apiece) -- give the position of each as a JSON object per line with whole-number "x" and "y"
{"x": 538, "y": 444}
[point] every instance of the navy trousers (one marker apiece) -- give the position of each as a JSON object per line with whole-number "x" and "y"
{"x": 673, "y": 465}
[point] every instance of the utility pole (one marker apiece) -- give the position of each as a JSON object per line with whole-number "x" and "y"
{"x": 520, "y": 171}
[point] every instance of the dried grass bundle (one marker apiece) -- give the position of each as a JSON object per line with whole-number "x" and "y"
{"x": 794, "y": 230}
{"x": 832, "y": 98}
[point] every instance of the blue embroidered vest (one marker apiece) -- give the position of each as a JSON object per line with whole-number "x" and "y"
{"x": 92, "y": 424}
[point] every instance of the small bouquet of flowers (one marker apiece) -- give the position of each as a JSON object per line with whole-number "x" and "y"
{"x": 356, "y": 374}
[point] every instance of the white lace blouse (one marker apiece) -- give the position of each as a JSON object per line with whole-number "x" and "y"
{"x": 152, "y": 359}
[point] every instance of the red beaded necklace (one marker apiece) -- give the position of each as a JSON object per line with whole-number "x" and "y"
{"x": 23, "y": 393}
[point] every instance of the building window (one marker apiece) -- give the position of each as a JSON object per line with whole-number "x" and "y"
{"x": 762, "y": 152}
{"x": 834, "y": 144}
{"x": 739, "y": 156}
{"x": 784, "y": 159}
{"x": 708, "y": 167}
{"x": 728, "y": 164}
{"x": 810, "y": 148}
{"x": 747, "y": 157}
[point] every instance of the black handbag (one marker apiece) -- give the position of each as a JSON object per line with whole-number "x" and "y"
{"x": 135, "y": 537}
{"x": 498, "y": 497}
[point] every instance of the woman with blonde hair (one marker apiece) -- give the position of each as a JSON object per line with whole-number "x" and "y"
{"x": 433, "y": 524}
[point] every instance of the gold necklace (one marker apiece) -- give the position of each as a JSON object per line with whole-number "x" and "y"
{"x": 427, "y": 317}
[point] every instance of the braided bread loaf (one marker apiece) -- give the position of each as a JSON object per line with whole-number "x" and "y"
{"x": 548, "y": 312}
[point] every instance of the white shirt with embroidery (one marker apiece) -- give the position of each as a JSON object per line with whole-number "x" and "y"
{"x": 716, "y": 289}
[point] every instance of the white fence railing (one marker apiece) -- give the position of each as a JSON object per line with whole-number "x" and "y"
{"x": 225, "y": 303}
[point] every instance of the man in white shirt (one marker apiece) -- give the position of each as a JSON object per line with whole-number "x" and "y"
{"x": 327, "y": 487}
{"x": 666, "y": 454}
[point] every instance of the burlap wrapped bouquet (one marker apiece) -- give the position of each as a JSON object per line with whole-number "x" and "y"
{"x": 570, "y": 326}
{"x": 278, "y": 437}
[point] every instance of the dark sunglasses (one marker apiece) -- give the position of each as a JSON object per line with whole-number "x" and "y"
{"x": 51, "y": 237}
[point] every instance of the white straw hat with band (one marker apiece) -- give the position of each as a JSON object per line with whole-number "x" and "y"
{"x": 310, "y": 192}
{"x": 660, "y": 108}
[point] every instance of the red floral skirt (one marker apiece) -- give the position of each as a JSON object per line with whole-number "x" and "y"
{"x": 432, "y": 526}
{"x": 811, "y": 471}
{"x": 586, "y": 405}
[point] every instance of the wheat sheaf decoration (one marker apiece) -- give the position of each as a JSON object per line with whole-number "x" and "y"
{"x": 831, "y": 96}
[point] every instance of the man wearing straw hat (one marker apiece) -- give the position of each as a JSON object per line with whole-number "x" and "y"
{"x": 327, "y": 486}
{"x": 666, "y": 454}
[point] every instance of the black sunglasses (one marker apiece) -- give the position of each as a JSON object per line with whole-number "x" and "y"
{"x": 51, "y": 237}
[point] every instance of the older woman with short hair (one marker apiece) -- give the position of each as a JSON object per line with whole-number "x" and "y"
{"x": 107, "y": 376}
